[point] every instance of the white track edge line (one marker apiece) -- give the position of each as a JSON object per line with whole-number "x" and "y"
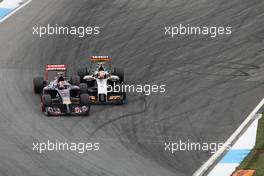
{"x": 15, "y": 10}
{"x": 219, "y": 153}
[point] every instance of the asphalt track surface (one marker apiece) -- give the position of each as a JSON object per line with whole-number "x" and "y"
{"x": 212, "y": 84}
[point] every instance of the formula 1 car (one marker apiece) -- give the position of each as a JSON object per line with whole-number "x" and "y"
{"x": 59, "y": 96}
{"x": 102, "y": 81}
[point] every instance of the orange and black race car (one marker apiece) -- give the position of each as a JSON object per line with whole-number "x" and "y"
{"x": 103, "y": 81}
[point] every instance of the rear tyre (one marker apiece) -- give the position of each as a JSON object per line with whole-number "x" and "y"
{"x": 124, "y": 100}
{"x": 75, "y": 80}
{"x": 82, "y": 72}
{"x": 120, "y": 73}
{"x": 38, "y": 84}
{"x": 85, "y": 99}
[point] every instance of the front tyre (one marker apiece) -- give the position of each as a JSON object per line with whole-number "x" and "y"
{"x": 46, "y": 100}
{"x": 46, "y": 103}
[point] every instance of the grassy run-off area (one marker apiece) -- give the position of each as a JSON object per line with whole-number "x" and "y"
{"x": 255, "y": 160}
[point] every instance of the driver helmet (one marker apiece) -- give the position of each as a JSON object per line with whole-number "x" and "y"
{"x": 62, "y": 85}
{"x": 101, "y": 74}
{"x": 60, "y": 77}
{"x": 101, "y": 68}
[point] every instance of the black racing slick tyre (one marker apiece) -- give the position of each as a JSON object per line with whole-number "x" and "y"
{"x": 85, "y": 99}
{"x": 124, "y": 100}
{"x": 75, "y": 80}
{"x": 83, "y": 72}
{"x": 120, "y": 73}
{"x": 46, "y": 100}
{"x": 83, "y": 88}
{"x": 38, "y": 84}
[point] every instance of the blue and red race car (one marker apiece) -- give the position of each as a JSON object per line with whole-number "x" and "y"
{"x": 60, "y": 96}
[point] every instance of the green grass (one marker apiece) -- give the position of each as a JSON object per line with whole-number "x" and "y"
{"x": 255, "y": 160}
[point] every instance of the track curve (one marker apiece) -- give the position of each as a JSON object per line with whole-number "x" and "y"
{"x": 211, "y": 84}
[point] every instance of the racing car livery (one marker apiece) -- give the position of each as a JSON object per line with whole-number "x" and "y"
{"x": 59, "y": 96}
{"x": 102, "y": 80}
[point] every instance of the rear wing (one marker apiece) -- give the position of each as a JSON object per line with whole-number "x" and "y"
{"x": 56, "y": 67}
{"x": 101, "y": 58}
{"x": 48, "y": 68}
